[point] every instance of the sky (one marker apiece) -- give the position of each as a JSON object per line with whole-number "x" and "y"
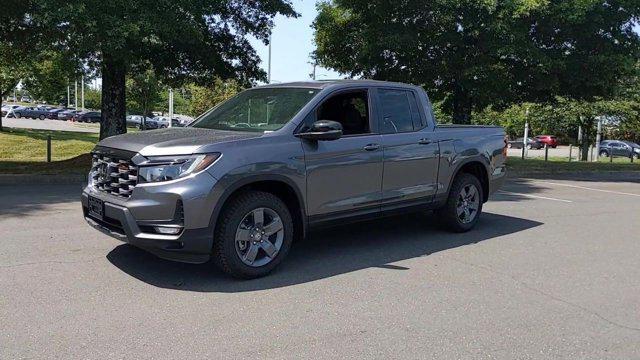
{"x": 291, "y": 45}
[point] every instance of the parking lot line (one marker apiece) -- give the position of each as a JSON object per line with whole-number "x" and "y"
{"x": 592, "y": 189}
{"x": 534, "y": 196}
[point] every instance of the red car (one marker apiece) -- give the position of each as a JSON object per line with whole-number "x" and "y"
{"x": 550, "y": 140}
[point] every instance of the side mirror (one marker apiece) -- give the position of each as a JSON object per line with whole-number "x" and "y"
{"x": 322, "y": 130}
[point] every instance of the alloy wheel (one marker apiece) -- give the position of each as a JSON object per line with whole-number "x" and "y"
{"x": 259, "y": 237}
{"x": 468, "y": 204}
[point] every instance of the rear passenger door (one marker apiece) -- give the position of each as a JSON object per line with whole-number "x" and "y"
{"x": 410, "y": 152}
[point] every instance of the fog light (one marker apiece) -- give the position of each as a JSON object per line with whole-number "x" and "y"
{"x": 167, "y": 230}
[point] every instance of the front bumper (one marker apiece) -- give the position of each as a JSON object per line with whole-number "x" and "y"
{"x": 132, "y": 219}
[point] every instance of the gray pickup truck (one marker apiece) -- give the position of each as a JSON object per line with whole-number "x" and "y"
{"x": 246, "y": 179}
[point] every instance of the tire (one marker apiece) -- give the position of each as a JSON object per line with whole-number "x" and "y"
{"x": 604, "y": 153}
{"x": 529, "y": 146}
{"x": 450, "y": 212}
{"x": 41, "y": 117}
{"x": 236, "y": 217}
{"x": 509, "y": 145}
{"x": 17, "y": 115}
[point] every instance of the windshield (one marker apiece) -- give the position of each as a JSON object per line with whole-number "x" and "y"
{"x": 256, "y": 110}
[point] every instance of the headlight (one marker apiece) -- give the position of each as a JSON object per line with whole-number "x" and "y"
{"x": 165, "y": 168}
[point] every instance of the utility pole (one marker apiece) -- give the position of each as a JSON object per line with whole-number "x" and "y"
{"x": 598, "y": 138}
{"x": 269, "y": 66}
{"x": 313, "y": 74}
{"x": 525, "y": 140}
{"x": 170, "y": 106}
{"x": 68, "y": 96}
{"x": 75, "y": 92}
{"x": 82, "y": 92}
{"x": 580, "y": 145}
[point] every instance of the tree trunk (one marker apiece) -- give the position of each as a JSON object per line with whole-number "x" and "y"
{"x": 461, "y": 105}
{"x": 114, "y": 107}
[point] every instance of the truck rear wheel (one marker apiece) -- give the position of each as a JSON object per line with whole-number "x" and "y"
{"x": 253, "y": 235}
{"x": 464, "y": 204}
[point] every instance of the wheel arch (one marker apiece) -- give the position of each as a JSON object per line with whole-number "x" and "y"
{"x": 477, "y": 168}
{"x": 278, "y": 185}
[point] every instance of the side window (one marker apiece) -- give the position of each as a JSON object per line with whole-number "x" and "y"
{"x": 351, "y": 109}
{"x": 396, "y": 111}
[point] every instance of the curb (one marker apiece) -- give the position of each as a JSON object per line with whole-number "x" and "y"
{"x": 577, "y": 175}
{"x": 40, "y": 179}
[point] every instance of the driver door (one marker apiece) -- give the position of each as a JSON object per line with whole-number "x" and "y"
{"x": 344, "y": 176}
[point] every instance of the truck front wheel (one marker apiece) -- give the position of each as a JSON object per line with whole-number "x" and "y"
{"x": 464, "y": 204}
{"x": 253, "y": 235}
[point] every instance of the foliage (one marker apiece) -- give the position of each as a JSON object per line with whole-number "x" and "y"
{"x": 188, "y": 40}
{"x": 143, "y": 91}
{"x": 181, "y": 103}
{"x": 48, "y": 77}
{"x": 563, "y": 117}
{"x": 92, "y": 98}
{"x": 204, "y": 98}
{"x": 472, "y": 54}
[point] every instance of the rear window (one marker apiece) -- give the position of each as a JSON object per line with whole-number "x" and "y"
{"x": 397, "y": 114}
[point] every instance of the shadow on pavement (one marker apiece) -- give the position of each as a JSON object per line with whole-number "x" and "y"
{"x": 25, "y": 200}
{"x": 324, "y": 254}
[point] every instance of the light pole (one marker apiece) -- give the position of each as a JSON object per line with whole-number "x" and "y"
{"x": 75, "y": 92}
{"x": 525, "y": 140}
{"x": 269, "y": 65}
{"x": 598, "y": 138}
{"x": 170, "y": 106}
{"x": 82, "y": 92}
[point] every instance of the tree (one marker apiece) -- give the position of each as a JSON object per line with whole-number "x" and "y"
{"x": 15, "y": 29}
{"x": 48, "y": 76}
{"x": 92, "y": 98}
{"x": 183, "y": 40}
{"x": 470, "y": 54}
{"x": 143, "y": 88}
{"x": 204, "y": 98}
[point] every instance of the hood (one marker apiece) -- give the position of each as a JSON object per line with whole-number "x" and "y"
{"x": 173, "y": 141}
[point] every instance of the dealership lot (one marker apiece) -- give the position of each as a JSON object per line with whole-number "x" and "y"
{"x": 552, "y": 271}
{"x": 48, "y": 124}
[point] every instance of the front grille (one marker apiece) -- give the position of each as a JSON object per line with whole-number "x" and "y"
{"x": 114, "y": 175}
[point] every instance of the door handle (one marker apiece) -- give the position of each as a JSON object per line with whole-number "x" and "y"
{"x": 372, "y": 147}
{"x": 424, "y": 141}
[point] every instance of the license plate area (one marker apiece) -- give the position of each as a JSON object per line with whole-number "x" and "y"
{"x": 96, "y": 208}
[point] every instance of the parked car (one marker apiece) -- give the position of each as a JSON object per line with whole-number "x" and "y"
{"x": 519, "y": 142}
{"x": 136, "y": 121}
{"x": 240, "y": 184}
{"x": 550, "y": 140}
{"x": 26, "y": 99}
{"x": 30, "y": 112}
{"x": 67, "y": 114}
{"x": 619, "y": 148}
{"x": 158, "y": 122}
{"x": 88, "y": 117}
{"x": 8, "y": 108}
{"x": 53, "y": 113}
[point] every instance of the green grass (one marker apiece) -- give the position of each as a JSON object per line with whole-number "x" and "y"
{"x": 24, "y": 151}
{"x": 561, "y": 165}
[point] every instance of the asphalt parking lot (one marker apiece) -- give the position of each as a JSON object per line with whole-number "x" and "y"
{"x": 48, "y": 124}
{"x": 552, "y": 271}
